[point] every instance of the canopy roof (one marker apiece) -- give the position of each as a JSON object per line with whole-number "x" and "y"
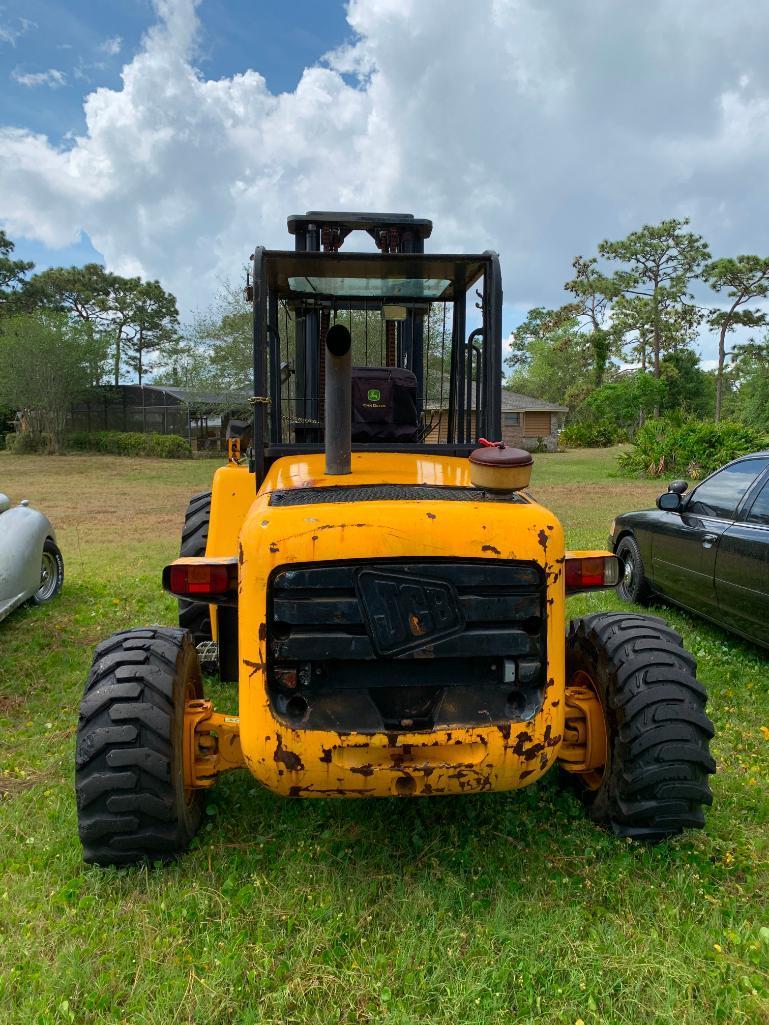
{"x": 413, "y": 277}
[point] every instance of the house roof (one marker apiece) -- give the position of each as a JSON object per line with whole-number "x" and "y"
{"x": 512, "y": 402}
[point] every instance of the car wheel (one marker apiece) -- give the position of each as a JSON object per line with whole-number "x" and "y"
{"x": 51, "y": 574}
{"x": 633, "y": 585}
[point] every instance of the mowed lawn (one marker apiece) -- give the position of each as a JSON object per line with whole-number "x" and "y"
{"x": 488, "y": 908}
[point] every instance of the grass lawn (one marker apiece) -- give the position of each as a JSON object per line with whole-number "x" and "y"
{"x": 489, "y": 908}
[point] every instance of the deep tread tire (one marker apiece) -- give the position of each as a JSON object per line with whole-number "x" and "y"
{"x": 636, "y": 590}
{"x": 131, "y": 802}
{"x": 196, "y": 616}
{"x": 656, "y": 780}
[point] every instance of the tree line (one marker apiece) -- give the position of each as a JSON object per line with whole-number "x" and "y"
{"x": 621, "y": 348}
{"x": 65, "y": 329}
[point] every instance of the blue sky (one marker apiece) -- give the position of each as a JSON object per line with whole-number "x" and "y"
{"x": 533, "y": 127}
{"x": 89, "y": 41}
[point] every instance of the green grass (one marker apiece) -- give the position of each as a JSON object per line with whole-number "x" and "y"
{"x": 490, "y": 908}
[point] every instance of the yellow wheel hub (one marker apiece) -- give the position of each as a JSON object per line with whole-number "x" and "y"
{"x": 584, "y": 747}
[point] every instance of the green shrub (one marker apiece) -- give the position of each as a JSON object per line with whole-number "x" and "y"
{"x": 596, "y": 434}
{"x": 689, "y": 448}
{"x": 26, "y": 444}
{"x": 117, "y": 443}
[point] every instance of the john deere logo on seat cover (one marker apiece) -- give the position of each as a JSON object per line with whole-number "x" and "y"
{"x": 374, "y": 395}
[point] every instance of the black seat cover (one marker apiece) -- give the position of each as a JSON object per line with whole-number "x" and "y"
{"x": 384, "y": 404}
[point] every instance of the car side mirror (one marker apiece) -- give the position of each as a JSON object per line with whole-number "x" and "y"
{"x": 678, "y": 487}
{"x": 670, "y": 502}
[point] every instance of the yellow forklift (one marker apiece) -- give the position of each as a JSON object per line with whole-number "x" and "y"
{"x": 372, "y": 572}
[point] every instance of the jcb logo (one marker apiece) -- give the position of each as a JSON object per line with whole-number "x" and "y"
{"x": 404, "y": 613}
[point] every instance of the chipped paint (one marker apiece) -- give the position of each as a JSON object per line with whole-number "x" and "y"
{"x": 290, "y": 759}
{"x": 437, "y": 761}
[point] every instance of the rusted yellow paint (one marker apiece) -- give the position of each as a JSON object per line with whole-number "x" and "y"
{"x": 319, "y": 763}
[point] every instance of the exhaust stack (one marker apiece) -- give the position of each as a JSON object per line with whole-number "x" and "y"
{"x": 338, "y": 401}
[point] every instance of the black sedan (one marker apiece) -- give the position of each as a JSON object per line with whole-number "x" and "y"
{"x": 707, "y": 551}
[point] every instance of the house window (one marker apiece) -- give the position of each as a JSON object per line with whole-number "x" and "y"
{"x": 511, "y": 419}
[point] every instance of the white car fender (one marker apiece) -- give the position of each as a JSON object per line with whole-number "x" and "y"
{"x": 23, "y": 532}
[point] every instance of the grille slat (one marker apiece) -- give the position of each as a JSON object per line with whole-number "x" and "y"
{"x": 390, "y": 493}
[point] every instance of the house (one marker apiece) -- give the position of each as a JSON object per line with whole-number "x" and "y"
{"x": 526, "y": 422}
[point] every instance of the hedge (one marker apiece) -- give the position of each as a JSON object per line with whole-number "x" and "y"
{"x": 116, "y": 443}
{"x": 688, "y": 448}
{"x": 25, "y": 444}
{"x": 598, "y": 434}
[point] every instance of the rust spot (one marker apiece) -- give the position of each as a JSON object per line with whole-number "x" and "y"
{"x": 326, "y": 756}
{"x": 255, "y": 667}
{"x": 416, "y": 625}
{"x": 543, "y": 760}
{"x": 290, "y": 759}
{"x": 262, "y": 631}
{"x": 555, "y": 704}
{"x": 543, "y": 540}
{"x": 504, "y": 729}
{"x": 337, "y": 791}
{"x": 240, "y": 555}
{"x": 363, "y": 770}
{"x": 525, "y": 773}
{"x": 490, "y": 548}
{"x": 430, "y": 516}
{"x": 273, "y": 547}
{"x": 528, "y": 753}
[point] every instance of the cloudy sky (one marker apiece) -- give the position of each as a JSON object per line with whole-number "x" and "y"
{"x": 166, "y": 137}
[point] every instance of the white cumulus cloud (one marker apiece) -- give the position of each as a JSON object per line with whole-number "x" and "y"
{"x": 112, "y": 46}
{"x": 53, "y": 78}
{"x": 535, "y": 128}
{"x": 11, "y": 31}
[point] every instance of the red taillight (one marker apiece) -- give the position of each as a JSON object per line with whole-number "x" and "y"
{"x": 584, "y": 572}
{"x": 200, "y": 579}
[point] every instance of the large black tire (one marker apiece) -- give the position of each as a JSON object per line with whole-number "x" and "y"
{"x": 196, "y": 616}
{"x": 129, "y": 779}
{"x": 633, "y": 586}
{"x": 655, "y": 783}
{"x": 51, "y": 574}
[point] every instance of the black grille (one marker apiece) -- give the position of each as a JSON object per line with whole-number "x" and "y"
{"x": 397, "y": 644}
{"x": 389, "y": 493}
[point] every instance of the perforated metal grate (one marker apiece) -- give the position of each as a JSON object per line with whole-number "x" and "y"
{"x": 388, "y": 493}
